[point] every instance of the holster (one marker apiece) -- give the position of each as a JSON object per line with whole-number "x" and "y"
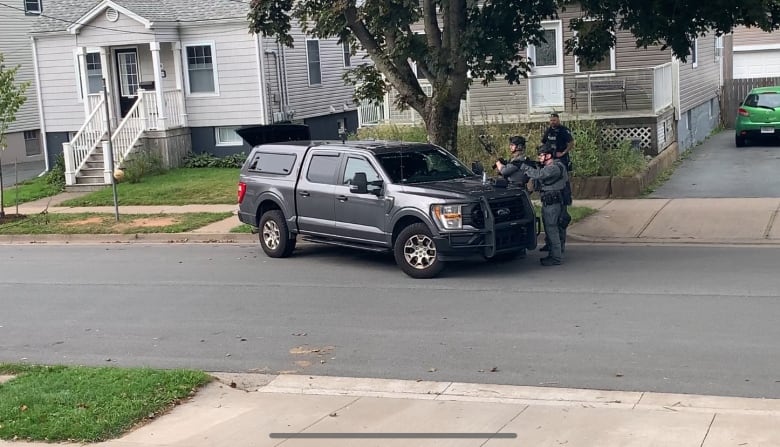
{"x": 551, "y": 197}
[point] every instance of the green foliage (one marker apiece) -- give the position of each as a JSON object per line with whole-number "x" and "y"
{"x": 56, "y": 175}
{"x": 142, "y": 164}
{"x": 595, "y": 156}
{"x": 11, "y": 97}
{"x": 206, "y": 160}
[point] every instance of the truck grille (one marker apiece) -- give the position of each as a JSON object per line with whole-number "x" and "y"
{"x": 510, "y": 238}
{"x": 473, "y": 215}
{"x": 506, "y": 210}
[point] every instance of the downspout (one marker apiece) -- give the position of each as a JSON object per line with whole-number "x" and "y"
{"x": 40, "y": 104}
{"x": 260, "y": 79}
{"x": 284, "y": 73}
{"x": 277, "y": 63}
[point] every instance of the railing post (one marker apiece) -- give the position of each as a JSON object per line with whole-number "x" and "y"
{"x": 108, "y": 171}
{"x": 182, "y": 106}
{"x": 590, "y": 97}
{"x": 70, "y": 174}
{"x": 142, "y": 109}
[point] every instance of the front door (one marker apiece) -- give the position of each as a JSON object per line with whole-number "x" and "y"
{"x": 545, "y": 88}
{"x": 129, "y": 77}
{"x": 360, "y": 217}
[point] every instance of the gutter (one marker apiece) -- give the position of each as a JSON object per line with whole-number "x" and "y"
{"x": 260, "y": 79}
{"x": 40, "y": 104}
{"x": 282, "y": 96}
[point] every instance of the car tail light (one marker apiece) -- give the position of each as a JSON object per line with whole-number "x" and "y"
{"x": 743, "y": 112}
{"x": 241, "y": 191}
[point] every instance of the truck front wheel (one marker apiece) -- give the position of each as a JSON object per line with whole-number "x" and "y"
{"x": 415, "y": 252}
{"x": 274, "y": 235}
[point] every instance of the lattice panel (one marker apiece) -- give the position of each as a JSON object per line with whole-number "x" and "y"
{"x": 644, "y": 134}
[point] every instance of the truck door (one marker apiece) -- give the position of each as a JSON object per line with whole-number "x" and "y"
{"x": 360, "y": 217}
{"x": 315, "y": 193}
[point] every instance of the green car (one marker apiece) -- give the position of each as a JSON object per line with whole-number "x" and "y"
{"x": 758, "y": 116}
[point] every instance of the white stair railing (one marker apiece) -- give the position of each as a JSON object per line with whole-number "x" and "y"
{"x": 85, "y": 141}
{"x": 129, "y": 130}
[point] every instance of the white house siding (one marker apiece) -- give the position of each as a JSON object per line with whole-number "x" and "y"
{"x": 238, "y": 102}
{"x": 698, "y": 85}
{"x": 17, "y": 49}
{"x": 102, "y": 32}
{"x": 756, "y": 54}
{"x": 754, "y": 36}
{"x": 316, "y": 100}
{"x": 57, "y": 63}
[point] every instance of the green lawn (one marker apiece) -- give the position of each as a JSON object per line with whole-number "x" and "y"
{"x": 94, "y": 223}
{"x": 29, "y": 190}
{"x": 182, "y": 186}
{"x": 243, "y": 228}
{"x": 84, "y": 404}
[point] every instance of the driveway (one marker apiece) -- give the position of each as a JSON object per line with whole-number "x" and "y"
{"x": 27, "y": 170}
{"x": 718, "y": 169}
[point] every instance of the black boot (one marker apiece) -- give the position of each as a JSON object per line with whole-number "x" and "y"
{"x": 545, "y": 247}
{"x": 548, "y": 261}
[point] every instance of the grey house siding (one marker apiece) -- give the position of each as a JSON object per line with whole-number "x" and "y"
{"x": 17, "y": 49}
{"x": 698, "y": 85}
{"x": 306, "y": 100}
{"x": 754, "y": 36}
{"x": 238, "y": 102}
{"x": 101, "y": 32}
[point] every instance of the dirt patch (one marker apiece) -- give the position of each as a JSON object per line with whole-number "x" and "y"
{"x": 87, "y": 221}
{"x": 303, "y": 350}
{"x": 147, "y": 222}
{"x": 8, "y": 218}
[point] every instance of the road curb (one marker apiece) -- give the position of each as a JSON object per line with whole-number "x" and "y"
{"x": 142, "y": 238}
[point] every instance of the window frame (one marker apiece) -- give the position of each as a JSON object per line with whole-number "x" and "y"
{"x": 695, "y": 53}
{"x": 334, "y": 180}
{"x": 346, "y": 52}
{"x": 343, "y": 171}
{"x": 253, "y": 164}
{"x": 37, "y": 138}
{"x": 612, "y": 58}
{"x": 309, "y": 62}
{"x": 30, "y": 12}
{"x": 186, "y": 67}
{"x": 233, "y": 143}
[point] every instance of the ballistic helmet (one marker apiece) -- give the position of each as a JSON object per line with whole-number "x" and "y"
{"x": 518, "y": 141}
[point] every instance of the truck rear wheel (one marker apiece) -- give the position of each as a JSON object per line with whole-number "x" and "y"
{"x": 274, "y": 235}
{"x": 415, "y": 252}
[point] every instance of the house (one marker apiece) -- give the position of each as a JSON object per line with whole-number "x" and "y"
{"x": 180, "y": 75}
{"x": 23, "y": 138}
{"x": 754, "y": 53}
{"x": 640, "y": 94}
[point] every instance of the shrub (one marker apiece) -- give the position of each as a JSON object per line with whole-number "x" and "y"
{"x": 56, "y": 174}
{"x": 140, "y": 165}
{"x": 206, "y": 160}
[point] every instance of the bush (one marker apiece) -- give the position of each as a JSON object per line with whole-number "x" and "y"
{"x": 56, "y": 174}
{"x": 206, "y": 160}
{"x": 140, "y": 165}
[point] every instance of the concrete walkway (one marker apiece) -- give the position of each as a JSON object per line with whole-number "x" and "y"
{"x": 302, "y": 410}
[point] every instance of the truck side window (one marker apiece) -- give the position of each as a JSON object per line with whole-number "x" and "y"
{"x": 355, "y": 165}
{"x": 323, "y": 168}
{"x": 268, "y": 163}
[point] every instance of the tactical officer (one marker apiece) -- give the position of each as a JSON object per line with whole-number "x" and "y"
{"x": 551, "y": 179}
{"x": 560, "y": 137}
{"x": 511, "y": 170}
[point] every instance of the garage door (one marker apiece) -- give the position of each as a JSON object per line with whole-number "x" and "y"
{"x": 756, "y": 64}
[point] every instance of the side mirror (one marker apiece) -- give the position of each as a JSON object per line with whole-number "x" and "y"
{"x": 359, "y": 184}
{"x": 477, "y": 168}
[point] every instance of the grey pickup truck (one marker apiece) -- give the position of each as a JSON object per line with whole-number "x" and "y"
{"x": 415, "y": 200}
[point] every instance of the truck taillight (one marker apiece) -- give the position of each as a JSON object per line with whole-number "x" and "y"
{"x": 241, "y": 191}
{"x": 743, "y": 112}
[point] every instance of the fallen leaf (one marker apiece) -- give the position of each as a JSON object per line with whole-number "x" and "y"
{"x": 23, "y": 408}
{"x": 333, "y": 415}
{"x": 619, "y": 375}
{"x": 432, "y": 370}
{"x": 494, "y": 369}
{"x": 233, "y": 384}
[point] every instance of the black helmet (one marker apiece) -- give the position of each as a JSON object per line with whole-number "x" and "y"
{"x": 517, "y": 140}
{"x": 547, "y": 148}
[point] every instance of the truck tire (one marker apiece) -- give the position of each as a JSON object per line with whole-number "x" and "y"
{"x": 739, "y": 141}
{"x": 415, "y": 252}
{"x": 274, "y": 235}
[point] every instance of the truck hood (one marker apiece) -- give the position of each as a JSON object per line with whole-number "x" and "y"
{"x": 462, "y": 189}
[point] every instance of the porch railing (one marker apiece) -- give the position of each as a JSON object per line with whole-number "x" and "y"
{"x": 130, "y": 129}
{"x": 174, "y": 108}
{"x": 387, "y": 112}
{"x": 85, "y": 141}
{"x": 662, "y": 87}
{"x": 93, "y": 99}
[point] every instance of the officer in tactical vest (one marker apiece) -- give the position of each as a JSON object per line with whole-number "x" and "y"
{"x": 550, "y": 179}
{"x": 511, "y": 171}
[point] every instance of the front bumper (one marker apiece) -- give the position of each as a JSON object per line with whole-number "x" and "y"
{"x": 504, "y": 238}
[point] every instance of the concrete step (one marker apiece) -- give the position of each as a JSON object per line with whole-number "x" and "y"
{"x": 89, "y": 164}
{"x": 84, "y": 188}
{"x": 89, "y": 179}
{"x": 89, "y": 172}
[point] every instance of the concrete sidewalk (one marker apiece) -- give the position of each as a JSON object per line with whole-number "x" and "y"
{"x": 302, "y": 410}
{"x": 703, "y": 221}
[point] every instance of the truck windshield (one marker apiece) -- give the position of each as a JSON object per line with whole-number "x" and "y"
{"x": 423, "y": 165}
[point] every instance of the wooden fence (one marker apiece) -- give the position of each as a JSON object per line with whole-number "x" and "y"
{"x": 735, "y": 91}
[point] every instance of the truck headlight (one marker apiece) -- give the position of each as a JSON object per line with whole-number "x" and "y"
{"x": 448, "y": 217}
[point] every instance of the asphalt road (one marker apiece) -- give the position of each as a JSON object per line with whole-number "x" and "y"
{"x": 672, "y": 319}
{"x": 719, "y": 169}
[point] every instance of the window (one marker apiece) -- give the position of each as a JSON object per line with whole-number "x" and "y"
{"x": 32, "y": 143}
{"x": 718, "y": 47}
{"x": 347, "y": 54}
{"x": 355, "y": 165}
{"x": 712, "y": 108}
{"x": 546, "y": 54}
{"x": 94, "y": 73}
{"x": 417, "y": 72}
{"x": 695, "y": 53}
{"x": 323, "y": 169}
{"x": 313, "y": 56}
{"x": 227, "y": 136}
{"x": 201, "y": 69}
{"x": 266, "y": 163}
{"x": 607, "y": 62}
{"x": 33, "y": 7}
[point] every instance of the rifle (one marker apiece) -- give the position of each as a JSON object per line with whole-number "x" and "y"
{"x": 490, "y": 148}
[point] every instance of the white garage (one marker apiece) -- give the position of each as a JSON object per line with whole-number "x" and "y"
{"x": 763, "y": 63}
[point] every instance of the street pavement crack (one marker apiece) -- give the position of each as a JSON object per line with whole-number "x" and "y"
{"x": 708, "y": 430}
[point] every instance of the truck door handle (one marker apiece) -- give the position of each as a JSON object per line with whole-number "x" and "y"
{"x": 342, "y": 198}
{"x": 304, "y": 193}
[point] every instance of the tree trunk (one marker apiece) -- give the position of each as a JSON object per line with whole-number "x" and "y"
{"x": 441, "y": 123}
